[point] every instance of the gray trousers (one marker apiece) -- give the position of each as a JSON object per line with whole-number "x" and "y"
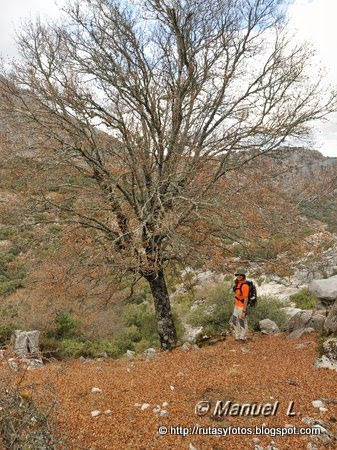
{"x": 239, "y": 325}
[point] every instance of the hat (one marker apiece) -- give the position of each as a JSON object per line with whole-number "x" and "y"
{"x": 240, "y": 271}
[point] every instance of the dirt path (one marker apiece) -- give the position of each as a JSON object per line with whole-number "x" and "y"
{"x": 273, "y": 370}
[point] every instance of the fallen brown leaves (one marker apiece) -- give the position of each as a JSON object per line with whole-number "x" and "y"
{"x": 273, "y": 370}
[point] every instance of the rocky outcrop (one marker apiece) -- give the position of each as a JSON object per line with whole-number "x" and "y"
{"x": 296, "y": 334}
{"x": 26, "y": 347}
{"x": 269, "y": 327}
{"x": 276, "y": 289}
{"x": 325, "y": 290}
{"x": 329, "y": 358}
{"x": 26, "y": 343}
{"x": 306, "y": 319}
{"x": 330, "y": 324}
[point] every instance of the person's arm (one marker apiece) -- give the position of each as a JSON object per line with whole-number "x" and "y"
{"x": 244, "y": 309}
{"x": 245, "y": 292}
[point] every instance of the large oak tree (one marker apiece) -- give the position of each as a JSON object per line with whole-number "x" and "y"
{"x": 155, "y": 103}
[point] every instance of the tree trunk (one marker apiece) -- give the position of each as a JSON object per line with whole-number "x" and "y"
{"x": 165, "y": 325}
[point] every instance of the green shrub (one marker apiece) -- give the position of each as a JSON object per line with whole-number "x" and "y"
{"x": 54, "y": 229}
{"x": 214, "y": 313}
{"x": 267, "y": 308}
{"x": 304, "y": 299}
{"x": 6, "y": 258}
{"x": 96, "y": 348}
{"x": 184, "y": 300}
{"x": 9, "y": 286}
{"x": 142, "y": 345}
{"x": 64, "y": 325}
{"x": 72, "y": 348}
{"x": 50, "y": 346}
{"x": 6, "y": 332}
{"x": 136, "y": 298}
{"x": 142, "y": 317}
{"x": 5, "y": 233}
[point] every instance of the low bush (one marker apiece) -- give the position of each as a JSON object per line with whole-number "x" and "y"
{"x": 267, "y": 308}
{"x": 6, "y": 332}
{"x": 304, "y": 299}
{"x": 65, "y": 326}
{"x": 215, "y": 310}
{"x": 72, "y": 348}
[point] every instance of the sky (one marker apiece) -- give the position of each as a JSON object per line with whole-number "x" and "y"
{"x": 312, "y": 20}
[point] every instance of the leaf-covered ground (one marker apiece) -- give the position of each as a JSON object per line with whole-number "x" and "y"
{"x": 274, "y": 369}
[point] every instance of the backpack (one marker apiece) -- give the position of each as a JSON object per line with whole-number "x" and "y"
{"x": 252, "y": 296}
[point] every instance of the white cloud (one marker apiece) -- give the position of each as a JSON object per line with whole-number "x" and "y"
{"x": 13, "y": 11}
{"x": 315, "y": 21}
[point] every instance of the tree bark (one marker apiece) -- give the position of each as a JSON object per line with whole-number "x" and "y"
{"x": 165, "y": 325}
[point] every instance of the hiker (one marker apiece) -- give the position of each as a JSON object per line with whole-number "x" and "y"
{"x": 239, "y": 317}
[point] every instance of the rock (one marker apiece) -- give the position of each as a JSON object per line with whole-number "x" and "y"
{"x": 107, "y": 411}
{"x": 330, "y": 324}
{"x": 130, "y": 354}
{"x": 302, "y": 345}
{"x": 269, "y": 327}
{"x": 195, "y": 347}
{"x": 256, "y": 440}
{"x": 96, "y": 389}
{"x": 306, "y": 319}
{"x": 26, "y": 343}
{"x": 191, "y": 447}
{"x": 329, "y": 358}
{"x": 150, "y": 352}
{"x": 322, "y": 409}
{"x": 144, "y": 406}
{"x": 317, "y": 321}
{"x": 278, "y": 290}
{"x": 33, "y": 363}
{"x": 299, "y": 320}
{"x": 312, "y": 446}
{"x": 325, "y": 436}
{"x": 186, "y": 347}
{"x": 317, "y": 404}
{"x": 172, "y": 388}
{"x": 163, "y": 413}
{"x": 103, "y": 355}
{"x": 299, "y": 333}
{"x": 325, "y": 290}
{"x": 13, "y": 364}
{"x": 245, "y": 350}
{"x": 291, "y": 311}
{"x": 324, "y": 362}
{"x": 156, "y": 409}
{"x": 95, "y": 413}
{"x": 165, "y": 404}
{"x": 310, "y": 421}
{"x": 191, "y": 333}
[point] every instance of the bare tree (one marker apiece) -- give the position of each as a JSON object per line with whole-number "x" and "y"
{"x": 155, "y": 102}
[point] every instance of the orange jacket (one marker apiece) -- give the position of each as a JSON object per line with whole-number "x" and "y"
{"x": 239, "y": 297}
